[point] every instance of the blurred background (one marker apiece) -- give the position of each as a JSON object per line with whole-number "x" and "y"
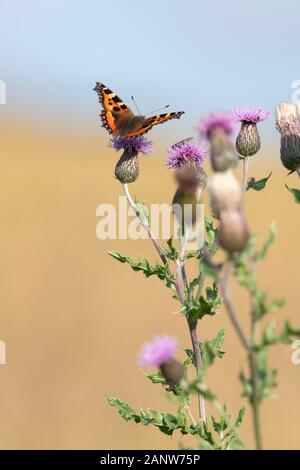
{"x": 71, "y": 317}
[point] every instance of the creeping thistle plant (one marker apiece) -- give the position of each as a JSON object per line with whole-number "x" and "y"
{"x": 227, "y": 230}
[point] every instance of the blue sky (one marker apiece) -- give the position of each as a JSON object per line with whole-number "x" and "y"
{"x": 196, "y": 56}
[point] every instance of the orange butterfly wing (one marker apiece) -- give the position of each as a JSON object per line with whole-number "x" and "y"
{"x": 154, "y": 120}
{"x": 113, "y": 110}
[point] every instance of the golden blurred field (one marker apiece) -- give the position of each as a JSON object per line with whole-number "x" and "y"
{"x": 73, "y": 318}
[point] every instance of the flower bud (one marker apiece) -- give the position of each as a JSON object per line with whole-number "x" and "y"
{"x": 190, "y": 177}
{"x": 222, "y": 152}
{"x": 287, "y": 122}
{"x": 184, "y": 205}
{"x": 173, "y": 371}
{"x": 127, "y": 168}
{"x": 225, "y": 192}
{"x": 160, "y": 352}
{"x": 233, "y": 233}
{"x": 217, "y": 128}
{"x": 248, "y": 141}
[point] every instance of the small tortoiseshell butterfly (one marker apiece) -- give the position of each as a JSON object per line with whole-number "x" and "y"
{"x": 118, "y": 119}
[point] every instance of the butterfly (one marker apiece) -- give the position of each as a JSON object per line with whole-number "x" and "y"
{"x": 118, "y": 119}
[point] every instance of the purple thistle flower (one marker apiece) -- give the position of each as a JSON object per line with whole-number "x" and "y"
{"x": 185, "y": 152}
{"x": 215, "y": 121}
{"x": 158, "y": 351}
{"x": 251, "y": 115}
{"x": 134, "y": 144}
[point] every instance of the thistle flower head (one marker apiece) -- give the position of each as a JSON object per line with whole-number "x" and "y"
{"x": 250, "y": 115}
{"x": 185, "y": 152}
{"x": 159, "y": 351}
{"x": 138, "y": 144}
{"x": 216, "y": 121}
{"x": 287, "y": 119}
{"x": 248, "y": 141}
{"x": 288, "y": 124}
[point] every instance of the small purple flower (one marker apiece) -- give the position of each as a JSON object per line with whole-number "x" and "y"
{"x": 185, "y": 152}
{"x": 158, "y": 351}
{"x": 134, "y": 144}
{"x": 251, "y": 115}
{"x": 216, "y": 121}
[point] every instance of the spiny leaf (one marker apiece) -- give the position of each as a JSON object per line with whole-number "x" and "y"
{"x": 260, "y": 254}
{"x": 195, "y": 310}
{"x": 143, "y": 265}
{"x": 258, "y": 185}
{"x": 211, "y": 349}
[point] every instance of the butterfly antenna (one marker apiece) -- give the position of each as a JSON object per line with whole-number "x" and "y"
{"x": 136, "y": 106}
{"x": 157, "y": 110}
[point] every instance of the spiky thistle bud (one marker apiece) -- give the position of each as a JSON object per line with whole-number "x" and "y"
{"x": 173, "y": 371}
{"x": 127, "y": 168}
{"x": 248, "y": 140}
{"x": 160, "y": 353}
{"x": 225, "y": 192}
{"x": 233, "y": 232}
{"x": 217, "y": 128}
{"x": 287, "y": 122}
{"x": 186, "y": 158}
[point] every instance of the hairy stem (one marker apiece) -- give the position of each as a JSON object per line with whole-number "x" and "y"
{"x": 255, "y": 401}
{"x": 245, "y": 174}
{"x": 224, "y": 285}
{"x": 157, "y": 246}
{"x": 198, "y": 362}
{"x": 192, "y": 327}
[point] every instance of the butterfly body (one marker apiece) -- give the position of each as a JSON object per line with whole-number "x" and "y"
{"x": 118, "y": 119}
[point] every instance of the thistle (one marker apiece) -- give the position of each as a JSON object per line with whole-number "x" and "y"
{"x": 217, "y": 129}
{"x": 248, "y": 140}
{"x": 186, "y": 158}
{"x": 225, "y": 192}
{"x": 127, "y": 168}
{"x": 160, "y": 353}
{"x": 233, "y": 232}
{"x": 287, "y": 123}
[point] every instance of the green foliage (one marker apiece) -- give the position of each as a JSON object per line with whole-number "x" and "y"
{"x": 265, "y": 378}
{"x": 195, "y": 309}
{"x": 210, "y": 350}
{"x": 258, "y": 185}
{"x": 261, "y": 254}
{"x": 222, "y": 435}
{"x": 285, "y": 336}
{"x": 143, "y": 265}
{"x": 244, "y": 272}
{"x": 295, "y": 192}
{"x": 226, "y": 429}
{"x": 171, "y": 252}
{"x": 211, "y": 236}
